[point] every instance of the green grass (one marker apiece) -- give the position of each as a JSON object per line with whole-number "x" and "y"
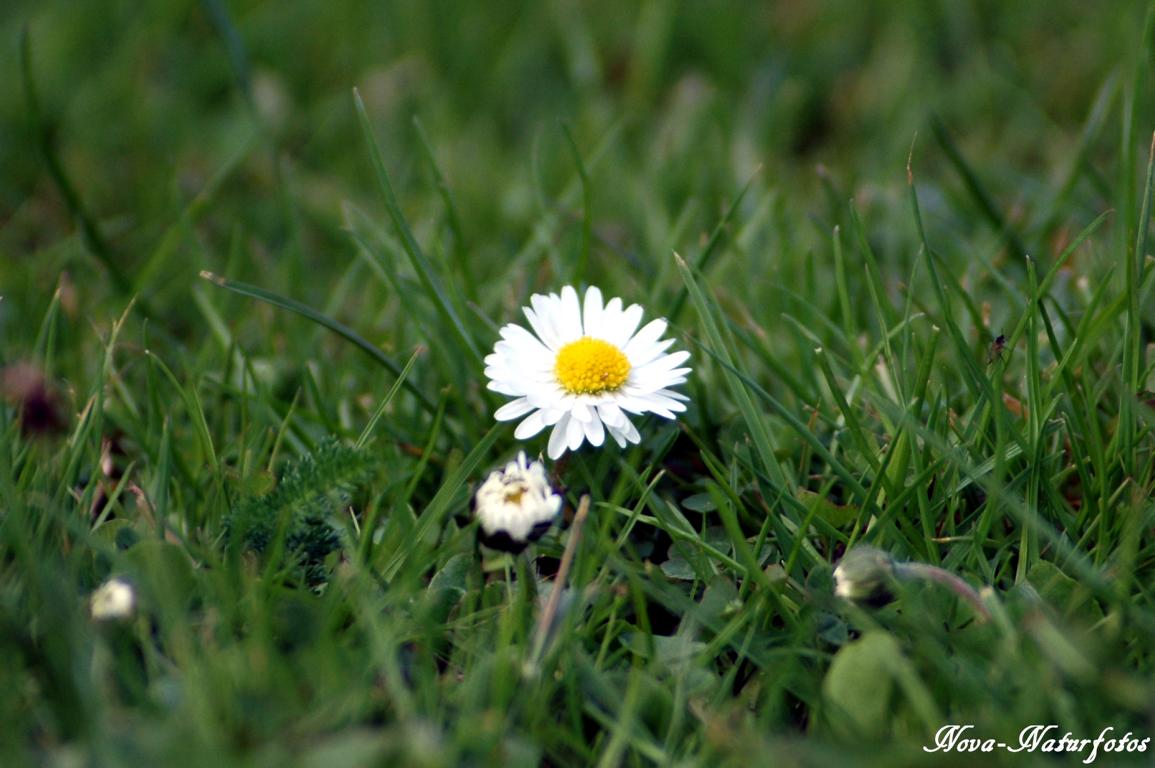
{"x": 838, "y": 209}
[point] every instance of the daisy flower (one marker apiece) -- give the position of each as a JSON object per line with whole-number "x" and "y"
{"x": 515, "y": 505}
{"x": 583, "y": 369}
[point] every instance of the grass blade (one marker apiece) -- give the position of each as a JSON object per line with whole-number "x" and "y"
{"x": 753, "y": 419}
{"x": 458, "y": 248}
{"x": 581, "y": 271}
{"x": 429, "y": 279}
{"x": 707, "y": 254}
{"x": 1132, "y": 326}
{"x": 977, "y": 191}
{"x": 337, "y": 327}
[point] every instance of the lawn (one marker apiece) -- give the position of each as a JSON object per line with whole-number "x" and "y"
{"x": 256, "y": 260}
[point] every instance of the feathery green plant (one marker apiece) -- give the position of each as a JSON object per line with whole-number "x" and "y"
{"x": 301, "y": 517}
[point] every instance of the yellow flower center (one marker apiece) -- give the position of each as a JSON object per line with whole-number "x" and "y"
{"x": 513, "y": 495}
{"x": 591, "y": 366}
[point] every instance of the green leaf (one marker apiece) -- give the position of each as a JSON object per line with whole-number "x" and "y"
{"x": 859, "y": 687}
{"x": 1070, "y": 598}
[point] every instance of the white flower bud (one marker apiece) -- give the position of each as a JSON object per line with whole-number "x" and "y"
{"x": 515, "y": 505}
{"x": 114, "y": 600}
{"x": 864, "y": 573}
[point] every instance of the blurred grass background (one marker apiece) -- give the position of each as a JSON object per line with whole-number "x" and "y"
{"x": 144, "y": 143}
{"x": 186, "y": 127}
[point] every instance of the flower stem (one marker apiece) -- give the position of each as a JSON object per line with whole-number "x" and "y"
{"x": 545, "y": 621}
{"x": 948, "y": 580}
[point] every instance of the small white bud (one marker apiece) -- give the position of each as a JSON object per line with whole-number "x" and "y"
{"x": 515, "y": 505}
{"x": 114, "y": 600}
{"x": 864, "y": 573}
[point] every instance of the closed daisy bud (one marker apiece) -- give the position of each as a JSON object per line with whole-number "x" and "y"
{"x": 114, "y": 600}
{"x": 864, "y": 574}
{"x": 515, "y": 505}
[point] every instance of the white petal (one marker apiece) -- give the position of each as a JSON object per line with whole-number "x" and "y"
{"x": 594, "y": 432}
{"x": 653, "y": 402}
{"x": 611, "y": 314}
{"x": 523, "y": 342}
{"x": 592, "y": 313}
{"x": 644, "y": 339}
{"x": 569, "y": 319}
{"x": 542, "y": 397}
{"x": 530, "y": 426}
{"x": 581, "y": 412}
{"x": 619, "y": 333}
{"x": 540, "y": 327}
{"x": 644, "y": 356}
{"x": 557, "y": 440}
{"x": 633, "y": 404}
{"x": 625, "y": 434}
{"x": 504, "y": 387}
{"x": 552, "y": 415}
{"x": 612, "y": 415}
{"x": 670, "y": 394}
{"x": 513, "y": 410}
{"x": 666, "y": 362}
{"x": 574, "y": 434}
{"x": 542, "y": 318}
{"x": 641, "y": 382}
